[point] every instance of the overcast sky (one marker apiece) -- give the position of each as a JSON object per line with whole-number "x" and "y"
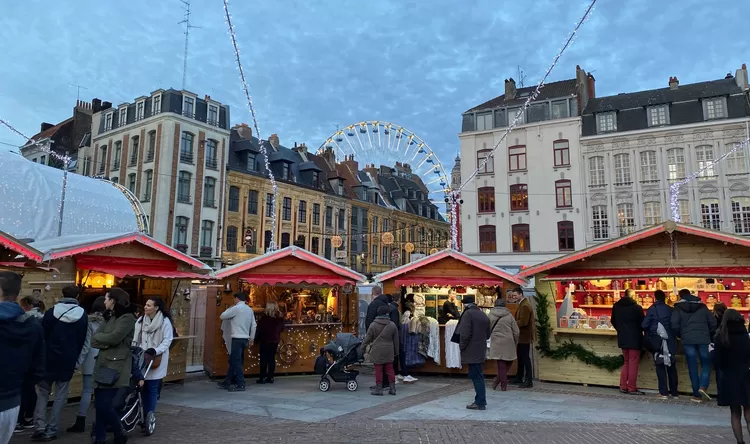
{"x": 316, "y": 64}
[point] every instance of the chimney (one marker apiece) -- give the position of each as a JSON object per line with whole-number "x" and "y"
{"x": 352, "y": 164}
{"x": 372, "y": 171}
{"x": 673, "y": 83}
{"x": 46, "y": 126}
{"x": 741, "y": 78}
{"x": 207, "y": 98}
{"x": 96, "y": 105}
{"x": 274, "y": 139}
{"x": 106, "y": 105}
{"x": 244, "y": 131}
{"x": 329, "y": 157}
{"x": 510, "y": 89}
{"x": 591, "y": 82}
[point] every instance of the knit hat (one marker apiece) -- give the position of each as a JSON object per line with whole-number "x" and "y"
{"x": 500, "y": 302}
{"x": 384, "y": 310}
{"x": 468, "y": 299}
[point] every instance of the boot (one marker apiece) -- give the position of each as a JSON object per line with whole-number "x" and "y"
{"x": 392, "y": 390}
{"x": 79, "y": 426}
{"x": 377, "y": 391}
{"x": 495, "y": 383}
{"x": 527, "y": 383}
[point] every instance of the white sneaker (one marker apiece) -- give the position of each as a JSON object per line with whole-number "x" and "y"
{"x": 410, "y": 379}
{"x": 400, "y": 377}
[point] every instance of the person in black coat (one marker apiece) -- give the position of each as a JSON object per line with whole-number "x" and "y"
{"x": 627, "y": 317}
{"x": 450, "y": 310}
{"x": 661, "y": 313}
{"x": 732, "y": 356}
{"x": 378, "y": 300}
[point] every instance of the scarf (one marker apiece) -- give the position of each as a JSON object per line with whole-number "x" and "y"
{"x": 664, "y": 347}
{"x": 150, "y": 331}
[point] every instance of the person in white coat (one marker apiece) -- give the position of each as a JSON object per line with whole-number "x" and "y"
{"x": 154, "y": 332}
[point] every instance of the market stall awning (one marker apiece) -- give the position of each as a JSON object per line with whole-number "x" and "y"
{"x": 122, "y": 267}
{"x": 308, "y": 266}
{"x": 448, "y": 281}
{"x": 666, "y": 227}
{"x": 623, "y": 273}
{"x": 495, "y": 274}
{"x": 19, "y": 247}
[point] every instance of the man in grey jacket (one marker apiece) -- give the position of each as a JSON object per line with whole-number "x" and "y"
{"x": 243, "y": 327}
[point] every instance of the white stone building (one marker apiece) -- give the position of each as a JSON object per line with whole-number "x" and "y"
{"x": 170, "y": 150}
{"x": 634, "y": 146}
{"x": 526, "y": 205}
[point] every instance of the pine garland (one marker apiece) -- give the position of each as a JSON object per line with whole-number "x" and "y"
{"x": 568, "y": 348}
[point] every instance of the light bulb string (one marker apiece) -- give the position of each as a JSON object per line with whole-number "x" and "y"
{"x": 246, "y": 91}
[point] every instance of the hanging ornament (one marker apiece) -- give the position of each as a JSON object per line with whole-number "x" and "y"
{"x": 449, "y": 244}
{"x": 433, "y": 251}
{"x": 409, "y": 247}
{"x": 336, "y": 241}
{"x": 387, "y": 238}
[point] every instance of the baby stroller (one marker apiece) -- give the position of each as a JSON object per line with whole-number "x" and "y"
{"x": 335, "y": 362}
{"x": 128, "y": 401}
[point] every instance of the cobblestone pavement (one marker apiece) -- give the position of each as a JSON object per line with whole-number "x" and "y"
{"x": 207, "y": 424}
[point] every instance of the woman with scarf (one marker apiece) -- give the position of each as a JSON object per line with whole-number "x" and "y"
{"x": 154, "y": 333}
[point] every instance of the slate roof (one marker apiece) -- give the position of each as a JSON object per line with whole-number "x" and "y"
{"x": 50, "y": 132}
{"x": 553, "y": 90}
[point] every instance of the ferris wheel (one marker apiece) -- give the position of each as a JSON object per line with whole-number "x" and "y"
{"x": 383, "y": 143}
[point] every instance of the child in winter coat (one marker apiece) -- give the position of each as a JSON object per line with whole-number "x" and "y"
{"x": 381, "y": 343}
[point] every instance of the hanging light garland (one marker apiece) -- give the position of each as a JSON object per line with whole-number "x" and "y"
{"x": 454, "y": 194}
{"x": 262, "y": 143}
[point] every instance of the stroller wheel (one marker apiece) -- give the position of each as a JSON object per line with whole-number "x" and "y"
{"x": 352, "y": 385}
{"x": 325, "y": 385}
{"x": 149, "y": 424}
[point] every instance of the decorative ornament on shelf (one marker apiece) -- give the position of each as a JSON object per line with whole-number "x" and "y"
{"x": 387, "y": 238}
{"x": 569, "y": 348}
{"x": 336, "y": 241}
{"x": 433, "y": 251}
{"x": 449, "y": 244}
{"x": 409, "y": 247}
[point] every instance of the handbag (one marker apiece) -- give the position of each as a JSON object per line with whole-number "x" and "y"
{"x": 369, "y": 346}
{"x": 106, "y": 376}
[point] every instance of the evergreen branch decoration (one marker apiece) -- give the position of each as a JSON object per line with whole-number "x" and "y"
{"x": 568, "y": 348}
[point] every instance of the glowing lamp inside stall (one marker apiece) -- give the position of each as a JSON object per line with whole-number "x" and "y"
{"x": 95, "y": 279}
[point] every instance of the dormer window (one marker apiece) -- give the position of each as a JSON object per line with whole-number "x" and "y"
{"x": 285, "y": 171}
{"x": 123, "y": 116}
{"x": 341, "y": 187}
{"x": 156, "y": 105}
{"x": 188, "y": 107}
{"x": 108, "y": 121}
{"x": 606, "y": 122}
{"x": 251, "y": 158}
{"x": 140, "y": 108}
{"x": 213, "y": 115}
{"x": 315, "y": 179}
{"x": 658, "y": 115}
{"x": 714, "y": 108}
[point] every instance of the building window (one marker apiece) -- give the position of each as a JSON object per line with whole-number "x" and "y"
{"x": 102, "y": 158}
{"x": 315, "y": 245}
{"x": 600, "y": 223}
{"x": 606, "y": 122}
{"x": 209, "y": 193}
{"x": 519, "y": 197}
{"x": 285, "y": 171}
{"x": 374, "y": 254}
{"x": 232, "y": 238}
{"x": 269, "y": 205}
{"x": 315, "y": 179}
{"x": 741, "y": 215}
{"x": 134, "y": 151}
{"x": 87, "y": 166}
{"x": 213, "y": 115}
{"x": 251, "y": 161}
{"x": 207, "y": 230}
{"x": 140, "y": 108}
{"x": 266, "y": 240}
{"x": 212, "y": 160}
{"x": 714, "y": 108}
{"x": 649, "y": 169}
{"x": 486, "y": 200}
{"x": 131, "y": 183}
{"x": 234, "y": 199}
{"x": 484, "y": 121}
{"x": 676, "y": 164}
{"x": 596, "y": 171}
{"x": 302, "y": 213}
{"x": 622, "y": 169}
{"x": 252, "y": 202}
{"x": 117, "y": 156}
{"x": 651, "y": 213}
{"x": 156, "y": 105}
{"x": 710, "y": 214}
{"x": 327, "y": 248}
{"x": 329, "y": 217}
{"x": 704, "y": 155}
{"x": 489, "y": 167}
{"x": 385, "y": 257}
{"x": 386, "y": 225}
{"x": 560, "y": 109}
{"x": 149, "y": 185}
{"x": 521, "y": 240}
{"x": 316, "y": 214}
{"x": 684, "y": 211}
{"x": 516, "y": 112}
{"x": 286, "y": 209}
{"x": 285, "y": 240}
{"x": 151, "y": 146}
{"x": 561, "y": 149}
{"x": 108, "y": 122}
{"x": 181, "y": 232}
{"x": 736, "y": 160}
{"x": 123, "y": 117}
{"x": 625, "y": 218}
{"x": 565, "y": 236}
{"x": 183, "y": 187}
{"x": 487, "y": 242}
{"x": 517, "y": 158}
{"x": 186, "y": 148}
{"x": 188, "y": 107}
{"x": 563, "y": 194}
{"x": 658, "y": 115}
{"x": 342, "y": 220}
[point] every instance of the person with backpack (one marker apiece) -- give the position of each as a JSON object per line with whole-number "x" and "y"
{"x": 661, "y": 342}
{"x": 627, "y": 318}
{"x": 695, "y": 325}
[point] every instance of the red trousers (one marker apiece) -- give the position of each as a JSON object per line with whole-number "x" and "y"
{"x": 388, "y": 371}
{"x": 629, "y": 370}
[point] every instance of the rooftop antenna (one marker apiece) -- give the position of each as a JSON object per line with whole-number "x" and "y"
{"x": 78, "y": 93}
{"x": 188, "y": 27}
{"x": 521, "y": 76}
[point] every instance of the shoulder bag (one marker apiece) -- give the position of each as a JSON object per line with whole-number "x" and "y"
{"x": 369, "y": 346}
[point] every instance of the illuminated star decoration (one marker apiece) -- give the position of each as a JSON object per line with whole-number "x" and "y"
{"x": 531, "y": 98}
{"x": 674, "y": 189}
{"x": 246, "y": 90}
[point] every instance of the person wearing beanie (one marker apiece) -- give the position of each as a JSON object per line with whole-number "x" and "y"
{"x": 381, "y": 347}
{"x": 473, "y": 330}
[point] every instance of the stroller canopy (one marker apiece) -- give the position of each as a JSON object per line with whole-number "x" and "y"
{"x": 343, "y": 344}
